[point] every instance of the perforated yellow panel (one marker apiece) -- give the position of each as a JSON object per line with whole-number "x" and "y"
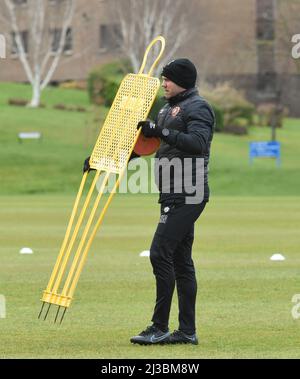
{"x": 118, "y": 135}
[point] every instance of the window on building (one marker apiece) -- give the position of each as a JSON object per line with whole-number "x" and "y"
{"x": 24, "y": 38}
{"x": 68, "y": 41}
{"x": 56, "y": 35}
{"x": 265, "y": 29}
{"x": 265, "y": 57}
{"x": 265, "y": 17}
{"x": 55, "y": 2}
{"x": 20, "y": 2}
{"x": 265, "y": 8}
{"x": 266, "y": 82}
{"x": 110, "y": 36}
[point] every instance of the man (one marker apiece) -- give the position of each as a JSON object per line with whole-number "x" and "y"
{"x": 185, "y": 125}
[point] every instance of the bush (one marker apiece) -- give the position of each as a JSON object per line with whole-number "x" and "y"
{"x": 22, "y": 103}
{"x": 80, "y": 109}
{"x": 18, "y": 102}
{"x": 235, "y": 129}
{"x": 63, "y": 107}
{"x": 159, "y": 102}
{"x": 110, "y": 90}
{"x": 219, "y": 118}
{"x": 230, "y": 101}
{"x": 269, "y": 113}
{"x": 104, "y": 81}
{"x": 74, "y": 84}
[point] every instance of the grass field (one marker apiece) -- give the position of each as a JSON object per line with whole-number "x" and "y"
{"x": 244, "y": 301}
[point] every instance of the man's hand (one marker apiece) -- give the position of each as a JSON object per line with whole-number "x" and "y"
{"x": 86, "y": 165}
{"x": 133, "y": 156}
{"x": 149, "y": 129}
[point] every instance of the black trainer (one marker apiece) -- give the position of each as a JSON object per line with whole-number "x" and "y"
{"x": 180, "y": 337}
{"x": 150, "y": 336}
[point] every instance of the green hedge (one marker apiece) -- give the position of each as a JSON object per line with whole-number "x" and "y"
{"x": 230, "y": 104}
{"x": 104, "y": 82}
{"x": 219, "y": 118}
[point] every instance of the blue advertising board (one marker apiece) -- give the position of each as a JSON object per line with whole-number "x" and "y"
{"x": 270, "y": 149}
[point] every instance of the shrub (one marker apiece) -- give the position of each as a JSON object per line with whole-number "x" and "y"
{"x": 74, "y": 84}
{"x": 110, "y": 90}
{"x": 80, "y": 109}
{"x": 104, "y": 81}
{"x": 230, "y": 101}
{"x": 22, "y": 103}
{"x": 235, "y": 129}
{"x": 271, "y": 112}
{"x": 61, "y": 107}
{"x": 69, "y": 108}
{"x": 18, "y": 102}
{"x": 159, "y": 102}
{"x": 219, "y": 118}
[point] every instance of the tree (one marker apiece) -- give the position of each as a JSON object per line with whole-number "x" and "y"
{"x": 286, "y": 18}
{"x": 2, "y": 47}
{"x": 40, "y": 48}
{"x": 140, "y": 21}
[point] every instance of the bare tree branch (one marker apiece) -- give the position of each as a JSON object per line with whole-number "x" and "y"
{"x": 69, "y": 11}
{"x": 143, "y": 20}
{"x": 41, "y": 59}
{"x": 19, "y": 42}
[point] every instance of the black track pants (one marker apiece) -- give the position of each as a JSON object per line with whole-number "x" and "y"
{"x": 171, "y": 259}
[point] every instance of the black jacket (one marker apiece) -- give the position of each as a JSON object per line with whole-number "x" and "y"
{"x": 190, "y": 121}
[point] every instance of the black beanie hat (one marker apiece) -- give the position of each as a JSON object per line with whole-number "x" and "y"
{"x": 182, "y": 72}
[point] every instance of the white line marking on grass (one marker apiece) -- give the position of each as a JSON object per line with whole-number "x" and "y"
{"x": 2, "y": 306}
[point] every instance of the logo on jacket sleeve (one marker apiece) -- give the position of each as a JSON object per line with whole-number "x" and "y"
{"x": 163, "y": 219}
{"x": 175, "y": 111}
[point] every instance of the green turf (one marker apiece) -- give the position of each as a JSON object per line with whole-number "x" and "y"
{"x": 51, "y": 164}
{"x": 244, "y": 300}
{"x": 50, "y": 96}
